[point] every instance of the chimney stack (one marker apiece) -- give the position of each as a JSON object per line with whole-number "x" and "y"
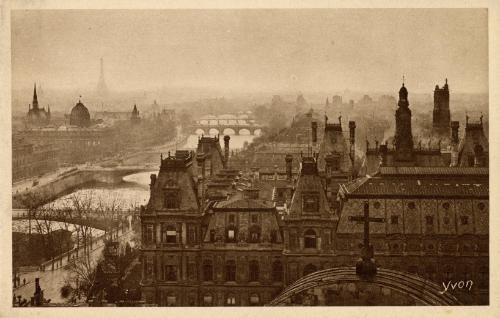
{"x": 383, "y": 155}
{"x": 454, "y": 131}
{"x": 352, "y": 139}
{"x": 226, "y": 150}
{"x": 314, "y": 131}
{"x": 288, "y": 160}
{"x": 153, "y": 181}
{"x": 200, "y": 159}
{"x": 352, "y": 131}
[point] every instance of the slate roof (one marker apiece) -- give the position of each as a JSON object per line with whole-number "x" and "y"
{"x": 449, "y": 184}
{"x": 246, "y": 204}
{"x": 434, "y": 171}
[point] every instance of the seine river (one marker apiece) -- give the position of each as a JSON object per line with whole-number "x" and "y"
{"x": 132, "y": 192}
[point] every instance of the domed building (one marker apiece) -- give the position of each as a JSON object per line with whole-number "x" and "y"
{"x": 80, "y": 116}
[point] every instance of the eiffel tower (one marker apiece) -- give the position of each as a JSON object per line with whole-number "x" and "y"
{"x": 102, "y": 89}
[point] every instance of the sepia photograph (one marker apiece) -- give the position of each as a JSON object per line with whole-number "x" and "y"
{"x": 215, "y": 157}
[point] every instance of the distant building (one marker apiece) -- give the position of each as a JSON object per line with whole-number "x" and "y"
{"x": 111, "y": 117}
{"x": 301, "y": 101}
{"x": 31, "y": 160}
{"x": 473, "y": 148}
{"x": 441, "y": 112}
{"x": 160, "y": 111}
{"x": 134, "y": 118}
{"x": 78, "y": 142}
{"x": 402, "y": 151}
{"x": 366, "y": 100}
{"x": 336, "y": 100}
{"x": 37, "y": 116}
{"x": 79, "y": 116}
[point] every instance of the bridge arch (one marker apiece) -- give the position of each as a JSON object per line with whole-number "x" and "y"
{"x": 244, "y": 132}
{"x": 257, "y": 132}
{"x": 213, "y": 131}
{"x": 199, "y": 132}
{"x": 229, "y": 131}
{"x": 339, "y": 284}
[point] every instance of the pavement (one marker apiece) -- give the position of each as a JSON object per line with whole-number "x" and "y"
{"x": 52, "y": 281}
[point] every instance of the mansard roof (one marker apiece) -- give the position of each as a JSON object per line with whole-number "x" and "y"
{"x": 434, "y": 171}
{"x": 175, "y": 175}
{"x": 336, "y": 144}
{"x": 421, "y": 182}
{"x": 309, "y": 182}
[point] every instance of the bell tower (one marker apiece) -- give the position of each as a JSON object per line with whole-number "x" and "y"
{"x": 403, "y": 137}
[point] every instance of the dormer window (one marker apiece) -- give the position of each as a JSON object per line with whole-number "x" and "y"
{"x": 310, "y": 203}
{"x": 172, "y": 199}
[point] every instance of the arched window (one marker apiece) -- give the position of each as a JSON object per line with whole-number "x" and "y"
{"x": 277, "y": 271}
{"x": 230, "y": 271}
{"x": 254, "y": 234}
{"x": 208, "y": 270}
{"x": 231, "y": 234}
{"x": 310, "y": 239}
{"x": 253, "y": 271}
{"x": 310, "y": 268}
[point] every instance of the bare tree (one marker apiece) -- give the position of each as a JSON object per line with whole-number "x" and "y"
{"x": 81, "y": 279}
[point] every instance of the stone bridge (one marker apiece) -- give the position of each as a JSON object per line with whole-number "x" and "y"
{"x": 67, "y": 183}
{"x": 214, "y": 126}
{"x": 115, "y": 174}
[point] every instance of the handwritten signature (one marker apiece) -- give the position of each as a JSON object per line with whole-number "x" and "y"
{"x": 458, "y": 284}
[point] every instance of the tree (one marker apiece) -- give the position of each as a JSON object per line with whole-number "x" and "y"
{"x": 81, "y": 279}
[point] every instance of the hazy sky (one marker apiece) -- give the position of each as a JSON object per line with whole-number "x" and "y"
{"x": 249, "y": 50}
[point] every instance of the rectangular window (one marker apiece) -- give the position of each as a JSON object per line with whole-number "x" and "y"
{"x": 464, "y": 219}
{"x": 192, "y": 234}
{"x": 230, "y": 234}
{"x": 171, "y": 300}
{"x": 310, "y": 203}
{"x": 149, "y": 268}
{"x": 231, "y": 301}
{"x": 429, "y": 220}
{"x": 394, "y": 219}
{"x": 170, "y": 273}
{"x": 254, "y": 218}
{"x": 231, "y": 218}
{"x": 169, "y": 234}
{"x": 171, "y": 200}
{"x": 150, "y": 233}
{"x": 191, "y": 271}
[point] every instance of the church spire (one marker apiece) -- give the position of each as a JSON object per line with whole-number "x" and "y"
{"x": 35, "y": 98}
